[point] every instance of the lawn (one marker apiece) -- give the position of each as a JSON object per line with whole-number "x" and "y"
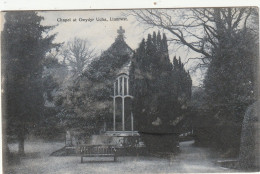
{"x": 38, "y": 160}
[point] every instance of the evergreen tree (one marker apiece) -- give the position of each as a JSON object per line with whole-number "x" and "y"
{"x": 24, "y": 49}
{"x": 87, "y": 102}
{"x": 54, "y": 75}
{"x": 160, "y": 90}
{"x": 230, "y": 87}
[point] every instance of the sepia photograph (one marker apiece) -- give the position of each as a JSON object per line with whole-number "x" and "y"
{"x": 152, "y": 90}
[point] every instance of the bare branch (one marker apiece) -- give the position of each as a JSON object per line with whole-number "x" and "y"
{"x": 77, "y": 55}
{"x": 198, "y": 29}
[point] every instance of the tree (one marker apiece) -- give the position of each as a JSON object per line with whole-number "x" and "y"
{"x": 24, "y": 49}
{"x": 201, "y": 30}
{"x": 230, "y": 87}
{"x": 226, "y": 40}
{"x": 72, "y": 102}
{"x": 161, "y": 91}
{"x": 86, "y": 103}
{"x": 54, "y": 79}
{"x": 77, "y": 55}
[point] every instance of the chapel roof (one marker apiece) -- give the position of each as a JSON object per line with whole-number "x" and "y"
{"x": 125, "y": 68}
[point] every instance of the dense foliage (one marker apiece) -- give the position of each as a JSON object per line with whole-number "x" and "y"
{"x": 24, "y": 49}
{"x": 53, "y": 77}
{"x": 230, "y": 87}
{"x": 87, "y": 102}
{"x": 227, "y": 42}
{"x": 161, "y": 89}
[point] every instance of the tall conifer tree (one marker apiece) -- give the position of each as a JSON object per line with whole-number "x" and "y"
{"x": 24, "y": 49}
{"x": 157, "y": 84}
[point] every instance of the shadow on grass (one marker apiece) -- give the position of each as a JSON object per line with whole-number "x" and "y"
{"x": 100, "y": 161}
{"x": 15, "y": 158}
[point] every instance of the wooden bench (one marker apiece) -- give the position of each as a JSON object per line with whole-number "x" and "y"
{"x": 87, "y": 150}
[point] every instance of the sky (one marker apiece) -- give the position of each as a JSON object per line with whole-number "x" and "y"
{"x": 101, "y": 34}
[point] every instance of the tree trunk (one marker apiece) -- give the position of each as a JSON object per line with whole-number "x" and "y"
{"x": 21, "y": 143}
{"x": 6, "y": 151}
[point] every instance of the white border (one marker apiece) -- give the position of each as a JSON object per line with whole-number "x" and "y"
{"x": 117, "y": 4}
{"x": 9, "y": 5}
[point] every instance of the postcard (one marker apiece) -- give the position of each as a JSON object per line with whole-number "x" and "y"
{"x": 152, "y": 90}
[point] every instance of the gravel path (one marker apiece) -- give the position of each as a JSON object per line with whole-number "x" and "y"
{"x": 191, "y": 159}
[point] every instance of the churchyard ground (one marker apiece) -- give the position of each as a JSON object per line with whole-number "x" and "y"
{"x": 38, "y": 160}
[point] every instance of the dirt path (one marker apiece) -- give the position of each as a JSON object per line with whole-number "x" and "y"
{"x": 196, "y": 159}
{"x": 191, "y": 159}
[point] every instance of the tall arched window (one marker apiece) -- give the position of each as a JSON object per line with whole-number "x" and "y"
{"x": 121, "y": 90}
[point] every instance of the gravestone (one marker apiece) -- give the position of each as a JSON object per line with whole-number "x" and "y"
{"x": 68, "y": 141}
{"x": 249, "y": 147}
{"x": 72, "y": 138}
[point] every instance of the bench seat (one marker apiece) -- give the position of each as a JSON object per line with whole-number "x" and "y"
{"x": 97, "y": 151}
